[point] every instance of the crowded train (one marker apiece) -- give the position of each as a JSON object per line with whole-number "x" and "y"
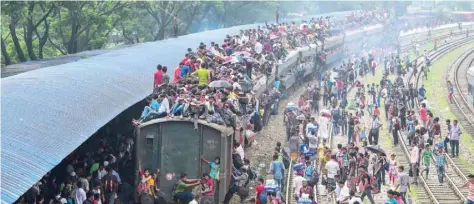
{"x": 221, "y": 83}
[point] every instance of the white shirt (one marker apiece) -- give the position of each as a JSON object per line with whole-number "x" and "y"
{"x": 240, "y": 151}
{"x": 97, "y": 191}
{"x": 258, "y": 47}
{"x": 298, "y": 183}
{"x": 313, "y": 141}
{"x": 85, "y": 184}
{"x": 426, "y": 103}
{"x": 193, "y": 202}
{"x": 236, "y": 85}
{"x": 164, "y": 106}
{"x": 354, "y": 199}
{"x": 332, "y": 168}
{"x": 79, "y": 195}
{"x": 102, "y": 173}
{"x": 342, "y": 192}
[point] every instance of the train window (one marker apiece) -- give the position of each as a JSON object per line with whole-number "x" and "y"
{"x": 149, "y": 141}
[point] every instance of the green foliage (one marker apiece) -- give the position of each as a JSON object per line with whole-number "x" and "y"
{"x": 43, "y": 29}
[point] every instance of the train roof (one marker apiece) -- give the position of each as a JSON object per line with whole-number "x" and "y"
{"x": 47, "y": 113}
{"x": 227, "y": 131}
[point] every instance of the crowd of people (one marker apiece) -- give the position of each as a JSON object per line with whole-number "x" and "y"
{"x": 212, "y": 83}
{"x": 361, "y": 165}
{"x": 89, "y": 177}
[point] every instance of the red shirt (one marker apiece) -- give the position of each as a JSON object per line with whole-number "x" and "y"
{"x": 339, "y": 84}
{"x": 423, "y": 114}
{"x": 305, "y": 30}
{"x": 376, "y": 112}
{"x": 281, "y": 29}
{"x": 158, "y": 76}
{"x": 210, "y": 185}
{"x": 260, "y": 188}
{"x": 177, "y": 74}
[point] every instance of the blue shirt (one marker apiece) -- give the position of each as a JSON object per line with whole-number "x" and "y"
{"x": 229, "y": 51}
{"x": 276, "y": 84}
{"x": 440, "y": 159}
{"x": 263, "y": 198}
{"x": 277, "y": 169}
{"x": 155, "y": 105}
{"x": 214, "y": 170}
{"x": 184, "y": 70}
{"x": 422, "y": 91}
{"x": 391, "y": 201}
{"x": 411, "y": 126}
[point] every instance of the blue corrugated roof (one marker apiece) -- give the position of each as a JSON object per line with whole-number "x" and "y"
{"x": 47, "y": 113}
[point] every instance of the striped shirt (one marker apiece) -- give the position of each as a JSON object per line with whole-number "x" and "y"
{"x": 454, "y": 132}
{"x": 440, "y": 159}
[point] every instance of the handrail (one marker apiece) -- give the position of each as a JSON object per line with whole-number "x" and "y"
{"x": 407, "y": 154}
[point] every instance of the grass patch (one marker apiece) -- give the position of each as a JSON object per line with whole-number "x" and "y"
{"x": 440, "y": 105}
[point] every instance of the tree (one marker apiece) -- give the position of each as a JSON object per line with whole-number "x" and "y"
{"x": 162, "y": 12}
{"x": 13, "y": 9}
{"x": 81, "y": 22}
{"x": 6, "y": 57}
{"x": 31, "y": 27}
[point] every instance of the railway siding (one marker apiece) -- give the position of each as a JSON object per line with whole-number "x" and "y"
{"x": 456, "y": 171}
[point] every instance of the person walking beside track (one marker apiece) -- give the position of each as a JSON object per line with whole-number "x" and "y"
{"x": 446, "y": 139}
{"x": 403, "y": 184}
{"x": 450, "y": 91}
{"x": 454, "y": 134}
{"x": 374, "y": 131}
{"x": 441, "y": 166}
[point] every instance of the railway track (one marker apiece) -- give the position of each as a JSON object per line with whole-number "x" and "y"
{"x": 320, "y": 198}
{"x": 408, "y": 47}
{"x": 455, "y": 177}
{"x": 461, "y": 107}
{"x": 289, "y": 183}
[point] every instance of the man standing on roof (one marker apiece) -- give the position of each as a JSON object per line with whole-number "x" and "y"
{"x": 158, "y": 76}
{"x": 175, "y": 25}
{"x": 177, "y": 72}
{"x": 277, "y": 14}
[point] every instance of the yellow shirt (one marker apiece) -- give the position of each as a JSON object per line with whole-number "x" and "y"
{"x": 203, "y": 75}
{"x": 150, "y": 183}
{"x": 321, "y": 150}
